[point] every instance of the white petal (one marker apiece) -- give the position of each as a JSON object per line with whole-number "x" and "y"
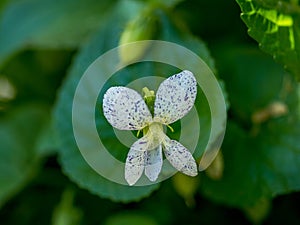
{"x": 125, "y": 109}
{"x": 180, "y": 157}
{"x": 175, "y": 97}
{"x": 135, "y": 161}
{"x": 153, "y": 163}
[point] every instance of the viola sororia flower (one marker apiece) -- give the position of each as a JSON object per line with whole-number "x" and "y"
{"x": 125, "y": 109}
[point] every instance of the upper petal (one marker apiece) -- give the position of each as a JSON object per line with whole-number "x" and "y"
{"x": 180, "y": 157}
{"x": 153, "y": 163}
{"x": 135, "y": 161}
{"x": 125, "y": 109}
{"x": 175, "y": 97}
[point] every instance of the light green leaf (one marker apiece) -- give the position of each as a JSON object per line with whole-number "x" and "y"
{"x": 49, "y": 24}
{"x": 19, "y": 159}
{"x": 276, "y": 26}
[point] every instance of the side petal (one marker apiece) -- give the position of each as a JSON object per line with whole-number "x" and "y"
{"x": 153, "y": 163}
{"x": 135, "y": 161}
{"x": 175, "y": 97}
{"x": 125, "y": 109}
{"x": 180, "y": 157}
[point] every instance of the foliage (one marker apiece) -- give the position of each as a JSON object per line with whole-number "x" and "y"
{"x": 45, "y": 48}
{"x": 276, "y": 26}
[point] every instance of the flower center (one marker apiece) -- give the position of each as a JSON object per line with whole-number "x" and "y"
{"x": 155, "y": 133}
{"x": 154, "y": 130}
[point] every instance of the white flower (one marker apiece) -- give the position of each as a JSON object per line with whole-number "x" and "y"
{"x": 125, "y": 109}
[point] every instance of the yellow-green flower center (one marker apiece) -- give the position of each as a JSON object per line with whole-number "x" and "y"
{"x": 155, "y": 130}
{"x": 155, "y": 133}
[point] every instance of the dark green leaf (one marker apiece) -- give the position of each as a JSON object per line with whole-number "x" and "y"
{"x": 252, "y": 78}
{"x": 258, "y": 167}
{"x": 19, "y": 159}
{"x": 130, "y": 218}
{"x": 167, "y": 3}
{"x": 260, "y": 161}
{"x": 36, "y": 75}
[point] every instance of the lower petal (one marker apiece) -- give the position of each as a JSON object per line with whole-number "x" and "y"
{"x": 179, "y": 157}
{"x": 153, "y": 163}
{"x": 135, "y": 161}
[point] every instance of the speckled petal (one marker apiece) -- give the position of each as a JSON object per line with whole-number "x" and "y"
{"x": 175, "y": 97}
{"x": 135, "y": 161}
{"x": 125, "y": 109}
{"x": 180, "y": 157}
{"x": 153, "y": 163}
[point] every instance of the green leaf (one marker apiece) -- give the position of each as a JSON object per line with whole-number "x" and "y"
{"x": 298, "y": 110}
{"x": 276, "y": 26}
{"x": 2, "y": 4}
{"x": 130, "y": 218}
{"x": 260, "y": 161}
{"x": 252, "y": 78}
{"x": 71, "y": 159}
{"x": 36, "y": 75}
{"x": 177, "y": 33}
{"x": 19, "y": 159}
{"x": 167, "y": 3}
{"x": 47, "y": 141}
{"x": 258, "y": 167}
{"x": 49, "y": 24}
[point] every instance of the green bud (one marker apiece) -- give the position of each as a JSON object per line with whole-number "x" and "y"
{"x": 149, "y": 97}
{"x": 142, "y": 27}
{"x": 186, "y": 187}
{"x": 215, "y": 170}
{"x": 65, "y": 213}
{"x": 259, "y": 211}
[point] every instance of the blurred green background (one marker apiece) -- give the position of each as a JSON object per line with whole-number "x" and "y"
{"x": 45, "y": 47}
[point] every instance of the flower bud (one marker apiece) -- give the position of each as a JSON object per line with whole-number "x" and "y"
{"x": 215, "y": 170}
{"x": 141, "y": 28}
{"x": 186, "y": 187}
